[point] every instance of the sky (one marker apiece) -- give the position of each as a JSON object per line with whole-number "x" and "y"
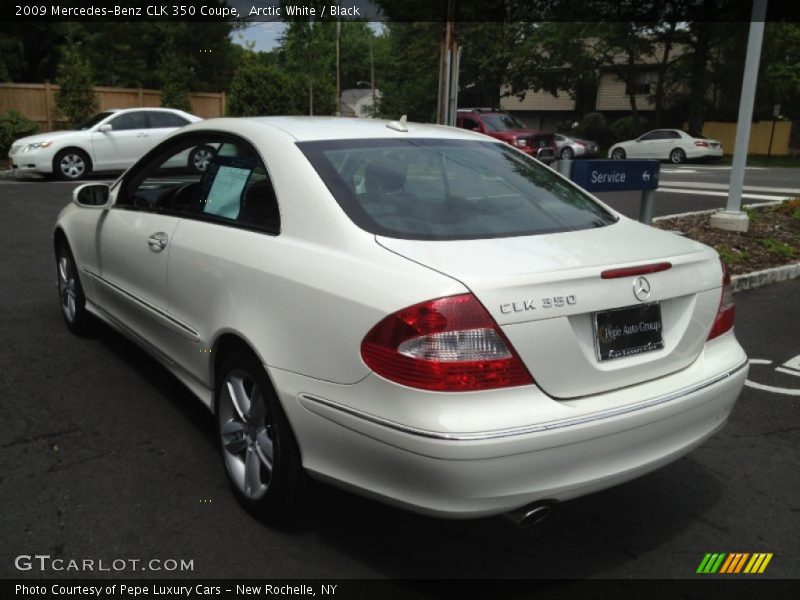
{"x": 266, "y": 34}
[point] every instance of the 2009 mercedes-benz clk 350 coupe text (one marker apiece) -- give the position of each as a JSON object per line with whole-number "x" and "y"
{"x": 416, "y": 313}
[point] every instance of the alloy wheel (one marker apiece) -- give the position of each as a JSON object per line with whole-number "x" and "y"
{"x": 201, "y": 158}
{"x": 72, "y": 165}
{"x": 67, "y": 287}
{"x": 247, "y": 434}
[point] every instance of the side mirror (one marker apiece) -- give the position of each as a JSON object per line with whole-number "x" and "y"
{"x": 105, "y": 127}
{"x": 91, "y": 195}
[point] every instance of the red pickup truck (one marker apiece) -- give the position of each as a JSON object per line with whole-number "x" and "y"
{"x": 507, "y": 128}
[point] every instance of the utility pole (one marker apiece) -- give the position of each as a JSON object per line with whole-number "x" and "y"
{"x": 338, "y": 112}
{"x": 372, "y": 73}
{"x": 732, "y": 218}
{"x": 448, "y": 61}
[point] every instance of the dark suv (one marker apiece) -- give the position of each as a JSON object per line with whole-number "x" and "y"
{"x": 503, "y": 126}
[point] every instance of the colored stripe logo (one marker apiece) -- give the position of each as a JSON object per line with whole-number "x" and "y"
{"x": 734, "y": 563}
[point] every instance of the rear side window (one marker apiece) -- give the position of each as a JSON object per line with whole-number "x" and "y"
{"x": 129, "y": 120}
{"x": 166, "y": 119}
{"x": 449, "y": 189}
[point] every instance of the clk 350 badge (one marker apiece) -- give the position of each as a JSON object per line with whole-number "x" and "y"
{"x": 545, "y": 303}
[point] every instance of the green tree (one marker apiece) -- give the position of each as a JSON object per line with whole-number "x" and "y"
{"x": 75, "y": 98}
{"x": 174, "y": 74}
{"x": 260, "y": 89}
{"x": 409, "y": 75}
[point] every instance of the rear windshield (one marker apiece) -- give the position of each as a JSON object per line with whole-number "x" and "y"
{"x": 431, "y": 189}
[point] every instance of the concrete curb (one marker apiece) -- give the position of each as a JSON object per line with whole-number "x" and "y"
{"x": 757, "y": 279}
{"x": 711, "y": 211}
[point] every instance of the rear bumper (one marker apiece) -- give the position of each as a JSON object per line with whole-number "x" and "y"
{"x": 479, "y": 473}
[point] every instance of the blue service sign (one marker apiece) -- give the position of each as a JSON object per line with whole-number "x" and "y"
{"x": 616, "y": 175}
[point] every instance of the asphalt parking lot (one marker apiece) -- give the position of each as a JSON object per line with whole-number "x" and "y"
{"x": 103, "y": 454}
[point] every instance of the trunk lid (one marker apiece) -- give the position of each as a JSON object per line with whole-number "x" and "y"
{"x": 545, "y": 290}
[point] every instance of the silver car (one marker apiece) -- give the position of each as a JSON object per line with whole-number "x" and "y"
{"x": 568, "y": 147}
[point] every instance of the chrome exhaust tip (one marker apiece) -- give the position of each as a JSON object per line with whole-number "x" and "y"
{"x": 530, "y": 515}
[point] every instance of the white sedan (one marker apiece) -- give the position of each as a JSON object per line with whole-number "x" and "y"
{"x": 673, "y": 145}
{"x": 109, "y": 141}
{"x": 415, "y": 313}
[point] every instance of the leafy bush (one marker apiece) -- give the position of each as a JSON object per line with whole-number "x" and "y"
{"x": 14, "y": 126}
{"x": 594, "y": 127}
{"x": 75, "y": 98}
{"x": 628, "y": 128}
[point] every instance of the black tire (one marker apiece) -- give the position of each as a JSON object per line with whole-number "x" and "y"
{"x": 242, "y": 440}
{"x": 70, "y": 293}
{"x": 200, "y": 157}
{"x": 72, "y": 164}
{"x": 567, "y": 153}
{"x": 677, "y": 156}
{"x": 618, "y": 154}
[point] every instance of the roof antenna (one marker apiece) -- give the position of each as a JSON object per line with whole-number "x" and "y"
{"x": 401, "y": 125}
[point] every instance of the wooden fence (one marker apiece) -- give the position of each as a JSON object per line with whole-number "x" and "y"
{"x": 36, "y": 101}
{"x": 760, "y": 135}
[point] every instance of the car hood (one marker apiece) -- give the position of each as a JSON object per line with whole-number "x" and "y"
{"x": 50, "y": 135}
{"x": 516, "y": 132}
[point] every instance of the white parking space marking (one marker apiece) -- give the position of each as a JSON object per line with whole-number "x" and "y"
{"x": 668, "y": 190}
{"x": 771, "y": 388}
{"x": 792, "y": 362}
{"x": 724, "y": 187}
{"x": 788, "y": 371}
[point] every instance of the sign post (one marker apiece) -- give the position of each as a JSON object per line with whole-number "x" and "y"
{"x": 617, "y": 176}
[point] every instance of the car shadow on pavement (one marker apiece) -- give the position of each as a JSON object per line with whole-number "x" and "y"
{"x": 619, "y": 532}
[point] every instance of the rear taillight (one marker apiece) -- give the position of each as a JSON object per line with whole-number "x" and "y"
{"x": 725, "y": 313}
{"x": 449, "y": 345}
{"x": 701, "y": 143}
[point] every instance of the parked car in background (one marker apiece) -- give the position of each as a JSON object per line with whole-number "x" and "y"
{"x": 419, "y": 314}
{"x": 568, "y": 147}
{"x": 505, "y": 127}
{"x": 109, "y": 141}
{"x": 674, "y": 145}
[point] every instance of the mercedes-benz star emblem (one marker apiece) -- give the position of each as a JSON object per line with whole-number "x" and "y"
{"x": 641, "y": 289}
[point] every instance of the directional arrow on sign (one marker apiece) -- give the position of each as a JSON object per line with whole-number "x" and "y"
{"x": 646, "y": 175}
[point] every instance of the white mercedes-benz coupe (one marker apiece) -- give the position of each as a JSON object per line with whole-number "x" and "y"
{"x": 416, "y": 313}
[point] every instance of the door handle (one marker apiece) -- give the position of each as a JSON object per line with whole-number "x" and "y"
{"x": 157, "y": 241}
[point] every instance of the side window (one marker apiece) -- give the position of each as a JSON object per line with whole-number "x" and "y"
{"x": 673, "y": 135}
{"x": 469, "y": 123}
{"x": 653, "y": 135}
{"x": 130, "y": 120}
{"x": 165, "y": 119}
{"x": 230, "y": 186}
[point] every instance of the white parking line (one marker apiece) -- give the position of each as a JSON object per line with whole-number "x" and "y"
{"x": 724, "y": 186}
{"x": 668, "y": 190}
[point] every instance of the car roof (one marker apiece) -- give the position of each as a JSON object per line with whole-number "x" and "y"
{"x": 304, "y": 129}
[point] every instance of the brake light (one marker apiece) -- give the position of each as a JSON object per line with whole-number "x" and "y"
{"x": 725, "y": 313}
{"x": 701, "y": 143}
{"x": 450, "y": 344}
{"x": 633, "y": 271}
